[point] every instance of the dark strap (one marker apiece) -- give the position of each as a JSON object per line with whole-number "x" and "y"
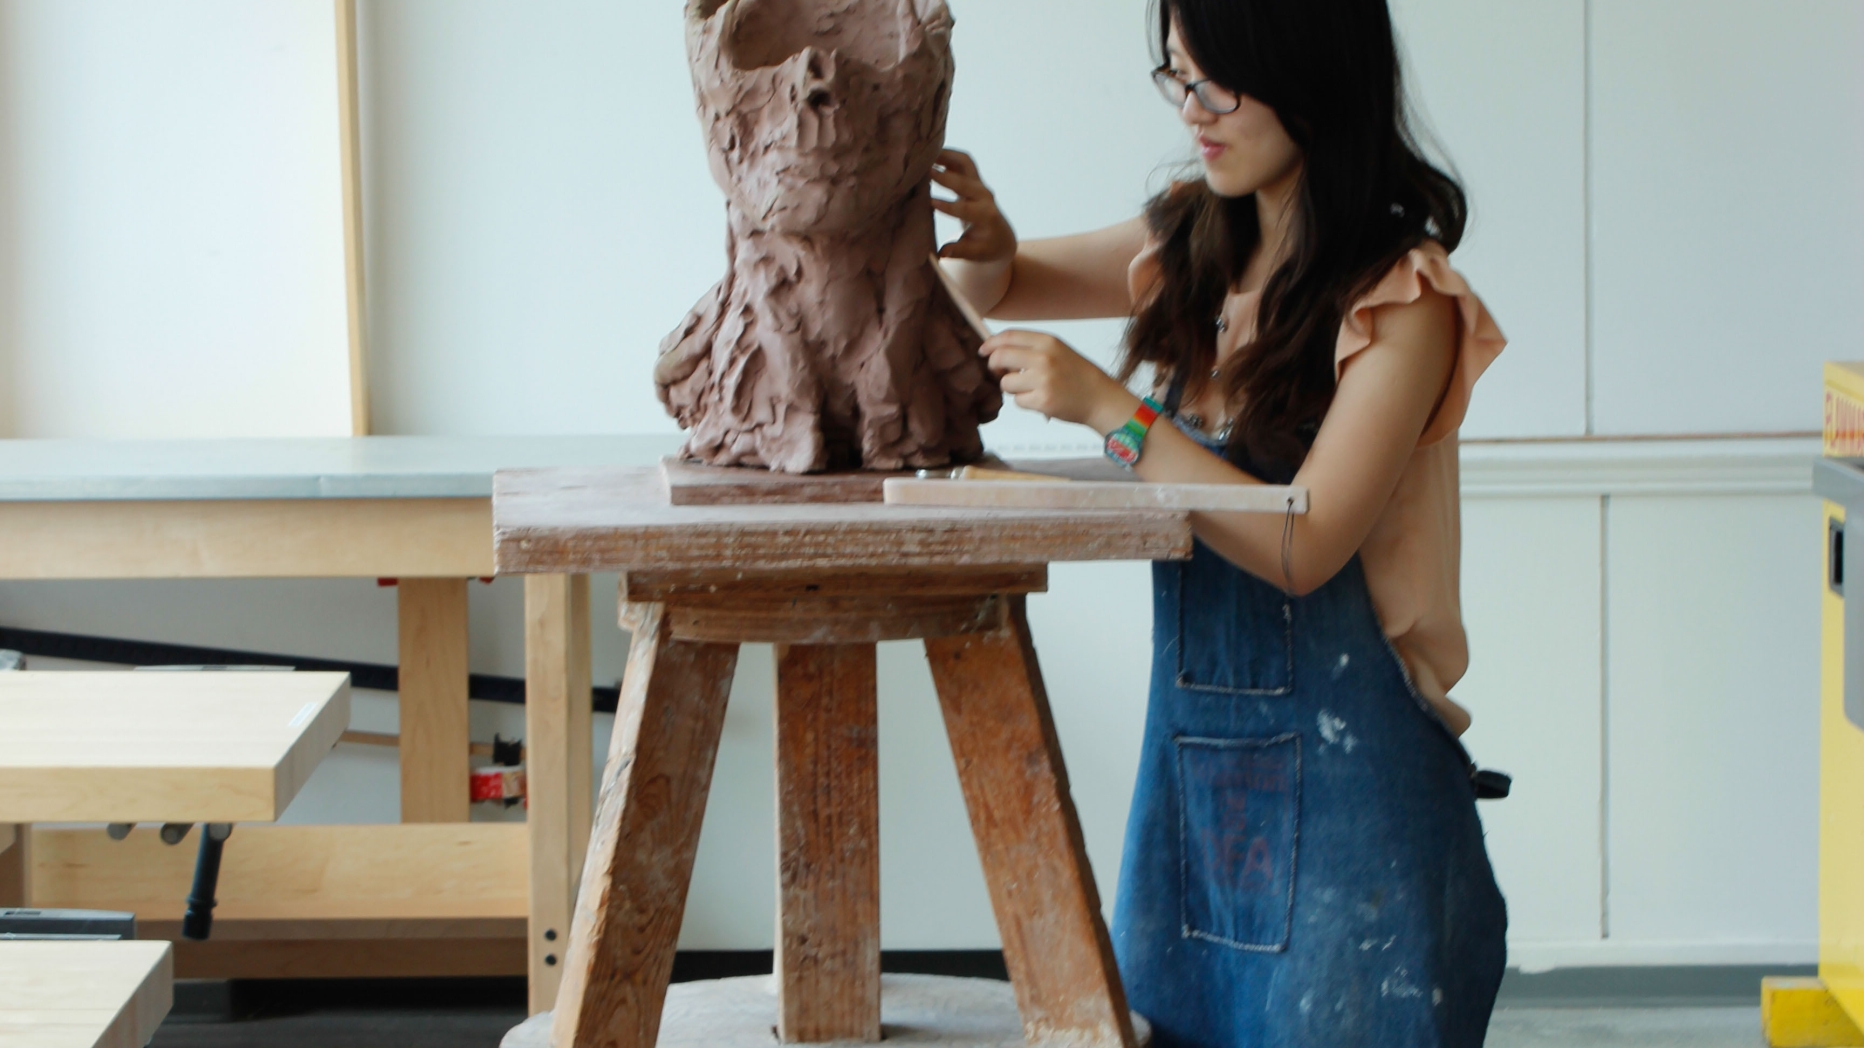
{"x": 1490, "y": 785}
{"x": 1174, "y": 394}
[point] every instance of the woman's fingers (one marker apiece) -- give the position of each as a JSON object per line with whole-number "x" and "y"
{"x": 957, "y": 160}
{"x": 968, "y": 210}
{"x": 964, "y": 187}
{"x": 967, "y": 249}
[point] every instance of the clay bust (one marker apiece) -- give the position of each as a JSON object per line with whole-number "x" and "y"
{"x": 830, "y": 344}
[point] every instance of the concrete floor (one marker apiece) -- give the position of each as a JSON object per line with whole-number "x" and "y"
{"x": 1577, "y": 1008}
{"x": 1625, "y": 1028}
{"x": 462, "y": 1028}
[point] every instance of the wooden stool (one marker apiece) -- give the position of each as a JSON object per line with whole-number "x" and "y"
{"x": 824, "y": 583}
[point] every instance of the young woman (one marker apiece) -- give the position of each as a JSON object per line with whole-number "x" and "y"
{"x": 1304, "y": 864}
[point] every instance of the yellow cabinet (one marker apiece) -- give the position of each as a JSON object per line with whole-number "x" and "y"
{"x": 1839, "y": 478}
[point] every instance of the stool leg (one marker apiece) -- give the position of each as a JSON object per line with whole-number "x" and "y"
{"x": 828, "y": 844}
{"x": 640, "y": 858}
{"x": 1016, "y": 789}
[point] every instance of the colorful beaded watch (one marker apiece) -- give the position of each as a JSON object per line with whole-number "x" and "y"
{"x": 1124, "y": 444}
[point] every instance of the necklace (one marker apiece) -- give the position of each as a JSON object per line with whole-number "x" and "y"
{"x": 1196, "y": 421}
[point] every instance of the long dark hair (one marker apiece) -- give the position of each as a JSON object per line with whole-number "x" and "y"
{"x": 1330, "y": 71}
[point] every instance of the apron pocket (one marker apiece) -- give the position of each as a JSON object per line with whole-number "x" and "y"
{"x": 1235, "y": 632}
{"x": 1239, "y": 803}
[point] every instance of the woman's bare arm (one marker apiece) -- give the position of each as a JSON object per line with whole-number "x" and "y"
{"x": 1073, "y": 278}
{"x": 1062, "y": 278}
{"x": 1385, "y": 397}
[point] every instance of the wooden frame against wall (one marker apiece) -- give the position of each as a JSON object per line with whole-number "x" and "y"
{"x": 349, "y": 123}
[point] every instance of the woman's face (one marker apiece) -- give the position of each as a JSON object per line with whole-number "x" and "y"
{"x": 1243, "y": 151}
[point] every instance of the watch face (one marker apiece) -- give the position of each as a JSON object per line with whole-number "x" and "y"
{"x": 1123, "y": 447}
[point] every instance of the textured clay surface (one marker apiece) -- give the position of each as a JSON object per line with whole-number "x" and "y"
{"x": 914, "y": 1009}
{"x": 830, "y": 344}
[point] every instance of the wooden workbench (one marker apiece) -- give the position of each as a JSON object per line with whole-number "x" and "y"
{"x": 447, "y": 898}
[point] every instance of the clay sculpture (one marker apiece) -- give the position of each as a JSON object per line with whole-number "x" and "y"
{"x": 830, "y": 344}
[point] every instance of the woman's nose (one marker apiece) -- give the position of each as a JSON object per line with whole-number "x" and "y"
{"x": 1193, "y": 113}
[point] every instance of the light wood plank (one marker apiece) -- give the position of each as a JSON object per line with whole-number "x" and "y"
{"x": 587, "y": 520}
{"x": 349, "y": 127}
{"x": 249, "y": 538}
{"x": 646, "y": 833}
{"x": 338, "y": 958}
{"x": 296, "y": 873}
{"x": 1091, "y": 495}
{"x": 557, "y": 737}
{"x": 84, "y": 993}
{"x": 435, "y": 734}
{"x": 179, "y": 747}
{"x": 1016, "y": 789}
{"x": 352, "y": 929}
{"x": 828, "y": 844}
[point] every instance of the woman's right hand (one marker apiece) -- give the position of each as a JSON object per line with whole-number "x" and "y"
{"x": 987, "y": 236}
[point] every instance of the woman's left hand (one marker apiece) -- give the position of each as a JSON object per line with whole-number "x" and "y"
{"x": 1044, "y": 374}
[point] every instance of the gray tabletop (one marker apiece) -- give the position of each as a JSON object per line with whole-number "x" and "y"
{"x": 1840, "y": 480}
{"x": 333, "y": 468}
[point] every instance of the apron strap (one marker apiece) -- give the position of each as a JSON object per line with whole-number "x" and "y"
{"x": 1174, "y": 394}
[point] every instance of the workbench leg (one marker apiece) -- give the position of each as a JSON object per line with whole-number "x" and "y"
{"x": 15, "y": 866}
{"x": 640, "y": 860}
{"x": 1002, "y": 735}
{"x": 557, "y": 765}
{"x": 436, "y": 777}
{"x": 828, "y": 844}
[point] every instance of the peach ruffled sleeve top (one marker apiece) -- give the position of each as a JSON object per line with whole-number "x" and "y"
{"x": 1413, "y": 556}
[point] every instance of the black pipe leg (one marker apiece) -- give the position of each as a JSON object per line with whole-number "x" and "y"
{"x": 198, "y": 922}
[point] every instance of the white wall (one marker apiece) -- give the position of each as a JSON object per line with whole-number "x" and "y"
{"x": 171, "y": 258}
{"x": 1667, "y": 225}
{"x": 1656, "y": 184}
{"x": 1644, "y": 626}
{"x": 1728, "y": 226}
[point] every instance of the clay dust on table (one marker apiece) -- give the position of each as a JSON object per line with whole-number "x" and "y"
{"x": 830, "y": 343}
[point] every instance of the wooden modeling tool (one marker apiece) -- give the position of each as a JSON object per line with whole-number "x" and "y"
{"x": 971, "y": 315}
{"x": 982, "y": 489}
{"x": 985, "y": 473}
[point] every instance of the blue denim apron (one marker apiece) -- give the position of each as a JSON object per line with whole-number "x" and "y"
{"x": 1303, "y": 864}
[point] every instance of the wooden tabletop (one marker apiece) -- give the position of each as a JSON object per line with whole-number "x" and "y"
{"x": 84, "y": 994}
{"x": 163, "y": 747}
{"x": 310, "y": 468}
{"x": 604, "y": 519}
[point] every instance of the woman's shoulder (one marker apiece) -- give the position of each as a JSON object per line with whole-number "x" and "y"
{"x": 1144, "y": 273}
{"x": 1421, "y": 273}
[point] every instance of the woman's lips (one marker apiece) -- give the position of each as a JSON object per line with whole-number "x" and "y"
{"x": 1210, "y": 150}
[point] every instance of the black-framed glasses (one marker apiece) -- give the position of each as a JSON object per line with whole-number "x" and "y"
{"x": 1214, "y": 97}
